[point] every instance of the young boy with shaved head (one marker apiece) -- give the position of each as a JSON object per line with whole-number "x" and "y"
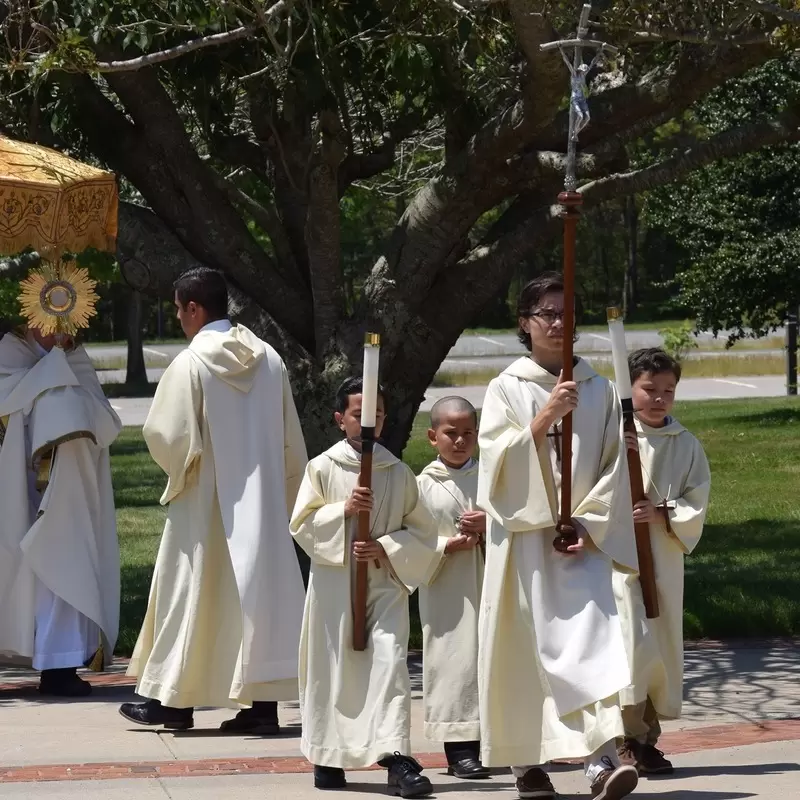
{"x": 449, "y": 604}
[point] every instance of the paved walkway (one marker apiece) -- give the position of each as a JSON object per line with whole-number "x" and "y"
{"x": 739, "y": 738}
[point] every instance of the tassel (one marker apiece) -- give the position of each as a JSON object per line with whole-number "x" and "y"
{"x": 98, "y": 661}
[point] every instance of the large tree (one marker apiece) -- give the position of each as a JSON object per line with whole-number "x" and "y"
{"x": 240, "y": 127}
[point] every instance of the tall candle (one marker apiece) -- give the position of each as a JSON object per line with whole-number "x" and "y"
{"x": 619, "y": 354}
{"x": 369, "y": 392}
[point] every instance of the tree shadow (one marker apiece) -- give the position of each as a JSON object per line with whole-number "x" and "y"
{"x": 684, "y": 773}
{"x": 764, "y": 679}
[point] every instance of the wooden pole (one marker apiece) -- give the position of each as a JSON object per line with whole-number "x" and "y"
{"x": 644, "y": 550}
{"x": 565, "y": 529}
{"x": 369, "y": 403}
{"x": 363, "y": 535}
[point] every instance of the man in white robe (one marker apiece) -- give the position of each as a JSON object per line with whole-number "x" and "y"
{"x": 356, "y": 706}
{"x": 450, "y": 602}
{"x": 223, "y": 620}
{"x": 552, "y": 655}
{"x": 677, "y": 482}
{"x": 59, "y": 554}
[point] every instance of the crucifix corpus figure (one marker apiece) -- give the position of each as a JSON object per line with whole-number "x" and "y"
{"x": 579, "y": 115}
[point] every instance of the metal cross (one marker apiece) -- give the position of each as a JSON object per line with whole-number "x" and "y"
{"x": 556, "y": 435}
{"x": 578, "y": 105}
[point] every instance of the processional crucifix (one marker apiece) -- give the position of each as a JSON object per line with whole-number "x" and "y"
{"x": 570, "y": 200}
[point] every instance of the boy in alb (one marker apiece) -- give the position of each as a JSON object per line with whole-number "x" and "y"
{"x": 677, "y": 482}
{"x": 356, "y": 706}
{"x": 449, "y": 605}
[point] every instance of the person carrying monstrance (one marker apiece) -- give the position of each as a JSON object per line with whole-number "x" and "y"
{"x": 59, "y": 554}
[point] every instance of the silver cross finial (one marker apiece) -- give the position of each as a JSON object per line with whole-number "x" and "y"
{"x": 578, "y": 106}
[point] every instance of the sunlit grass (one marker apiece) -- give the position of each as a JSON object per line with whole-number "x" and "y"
{"x": 743, "y": 580}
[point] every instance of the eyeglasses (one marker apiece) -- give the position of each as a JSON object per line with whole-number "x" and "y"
{"x": 547, "y": 316}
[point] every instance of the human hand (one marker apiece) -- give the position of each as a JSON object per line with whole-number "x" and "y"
{"x": 370, "y": 550}
{"x": 632, "y": 441}
{"x": 580, "y": 545}
{"x": 473, "y": 523}
{"x": 645, "y": 511}
{"x": 563, "y": 399}
{"x": 461, "y": 542}
{"x": 359, "y": 500}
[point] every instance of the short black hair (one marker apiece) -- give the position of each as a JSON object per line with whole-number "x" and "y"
{"x": 355, "y": 385}
{"x": 207, "y": 288}
{"x": 529, "y": 298}
{"x": 652, "y": 360}
{"x": 458, "y": 404}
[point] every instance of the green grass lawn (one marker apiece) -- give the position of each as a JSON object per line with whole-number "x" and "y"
{"x": 744, "y": 579}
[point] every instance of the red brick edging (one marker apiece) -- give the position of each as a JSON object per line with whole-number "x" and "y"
{"x": 692, "y": 740}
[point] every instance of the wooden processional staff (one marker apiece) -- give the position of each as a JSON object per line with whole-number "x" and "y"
{"x": 570, "y": 200}
{"x": 369, "y": 410}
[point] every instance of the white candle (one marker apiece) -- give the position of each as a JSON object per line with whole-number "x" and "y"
{"x": 369, "y": 392}
{"x": 619, "y": 354}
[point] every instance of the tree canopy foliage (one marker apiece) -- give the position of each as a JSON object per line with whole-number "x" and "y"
{"x": 244, "y": 130}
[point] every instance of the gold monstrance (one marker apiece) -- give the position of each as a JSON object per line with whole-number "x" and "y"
{"x": 58, "y": 298}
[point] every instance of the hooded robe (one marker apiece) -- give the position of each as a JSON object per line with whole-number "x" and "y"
{"x": 552, "y": 654}
{"x": 226, "y": 602}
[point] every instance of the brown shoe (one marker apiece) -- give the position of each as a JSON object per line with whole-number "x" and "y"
{"x": 629, "y": 752}
{"x": 614, "y": 783}
{"x": 652, "y": 761}
{"x": 535, "y": 784}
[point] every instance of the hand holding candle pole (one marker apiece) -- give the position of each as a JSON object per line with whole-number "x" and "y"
{"x": 622, "y": 378}
{"x": 369, "y": 410}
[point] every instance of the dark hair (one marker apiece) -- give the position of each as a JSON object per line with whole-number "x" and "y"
{"x": 355, "y": 385}
{"x": 652, "y": 360}
{"x": 207, "y": 288}
{"x": 452, "y": 403}
{"x": 529, "y": 298}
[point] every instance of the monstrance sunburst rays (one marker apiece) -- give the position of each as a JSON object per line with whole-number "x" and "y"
{"x": 58, "y": 298}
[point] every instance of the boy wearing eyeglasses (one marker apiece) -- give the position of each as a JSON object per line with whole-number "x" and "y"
{"x": 552, "y": 655}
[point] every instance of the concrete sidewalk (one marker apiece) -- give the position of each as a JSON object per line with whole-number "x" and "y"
{"x": 742, "y": 710}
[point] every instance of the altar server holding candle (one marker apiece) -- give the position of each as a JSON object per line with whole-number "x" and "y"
{"x": 671, "y": 510}
{"x": 356, "y": 705}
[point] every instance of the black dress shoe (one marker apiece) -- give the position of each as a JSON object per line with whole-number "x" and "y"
{"x": 329, "y": 778}
{"x": 153, "y": 713}
{"x": 404, "y": 777}
{"x": 468, "y": 768}
{"x": 261, "y": 720}
{"x": 63, "y": 683}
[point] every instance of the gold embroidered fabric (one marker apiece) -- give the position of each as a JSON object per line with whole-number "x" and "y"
{"x": 53, "y": 203}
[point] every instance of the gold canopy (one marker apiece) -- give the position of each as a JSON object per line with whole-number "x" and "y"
{"x": 53, "y": 203}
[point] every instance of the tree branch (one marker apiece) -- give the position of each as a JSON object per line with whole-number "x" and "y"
{"x": 322, "y": 233}
{"x": 711, "y": 37}
{"x": 773, "y": 9}
{"x": 171, "y": 53}
{"x": 727, "y": 144}
{"x": 158, "y": 157}
{"x": 361, "y": 166}
{"x": 267, "y": 218}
